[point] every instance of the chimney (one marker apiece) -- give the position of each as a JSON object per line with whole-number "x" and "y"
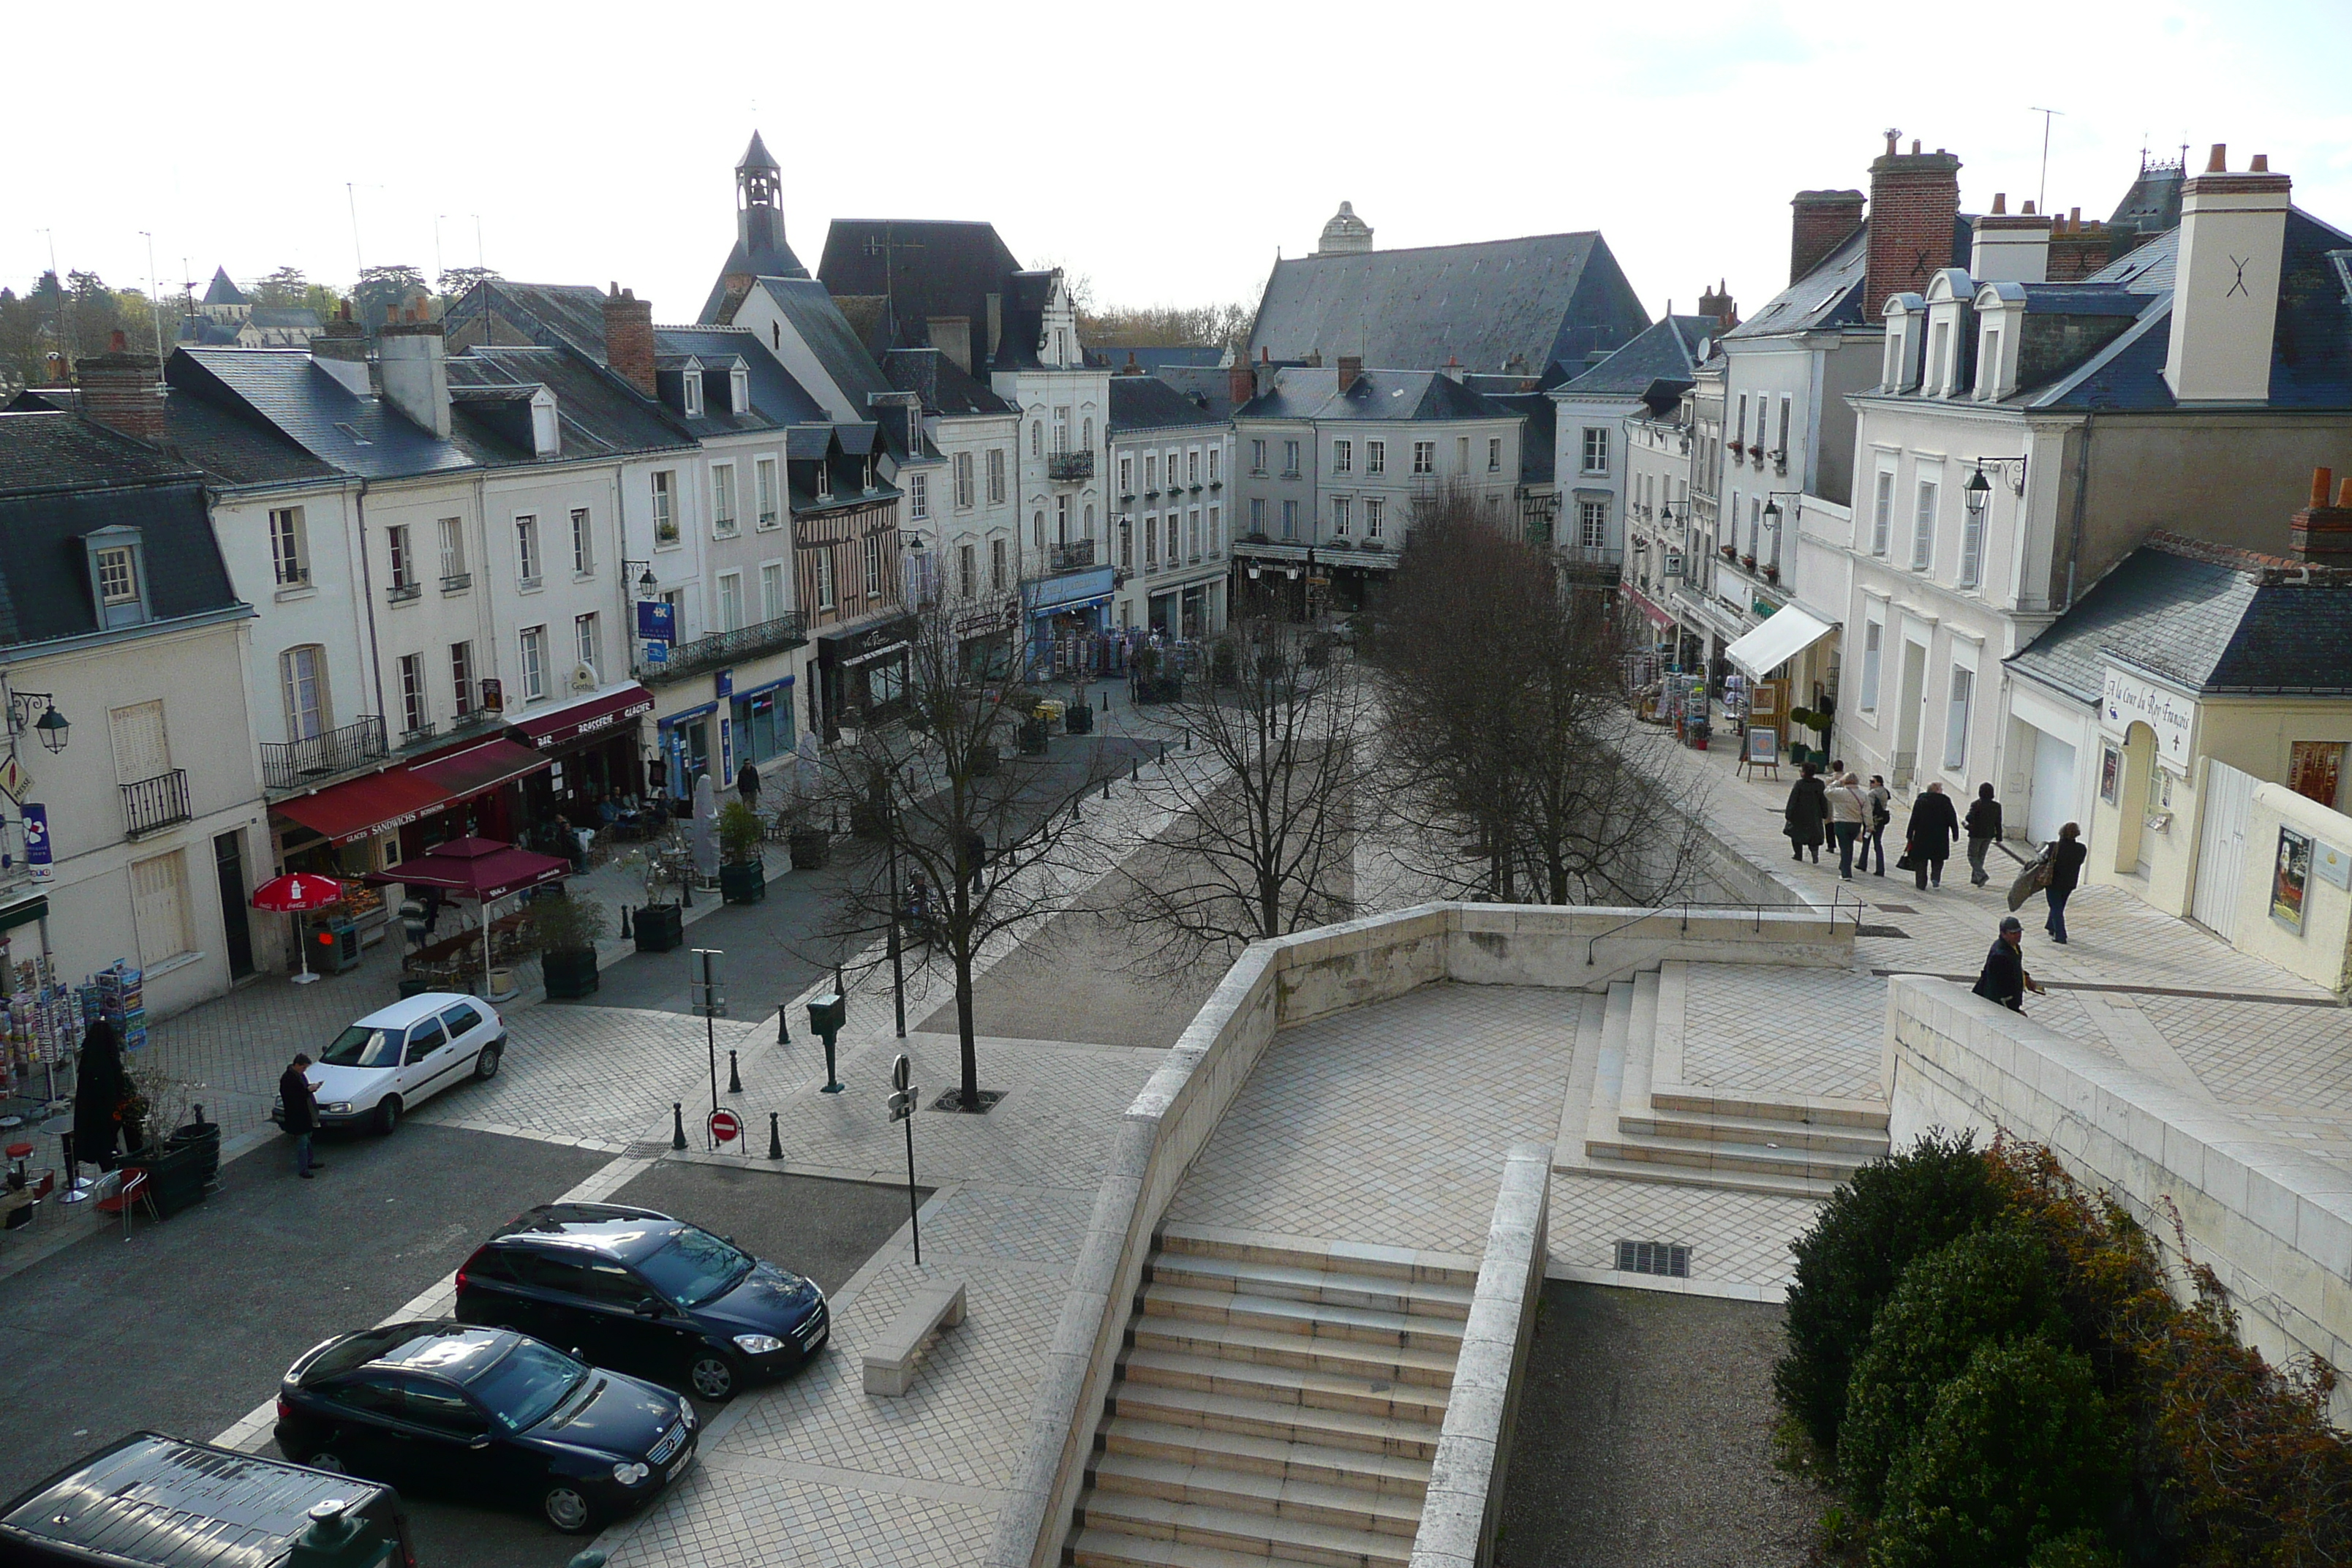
{"x": 2010, "y": 248}
{"x": 2321, "y": 534}
{"x": 119, "y": 391}
{"x": 413, "y": 362}
{"x": 1824, "y": 220}
{"x": 341, "y": 349}
{"x": 1241, "y": 383}
{"x": 1350, "y": 367}
{"x": 2225, "y": 283}
{"x": 1451, "y": 370}
{"x": 629, "y": 338}
{"x": 1915, "y": 203}
{"x": 1715, "y": 305}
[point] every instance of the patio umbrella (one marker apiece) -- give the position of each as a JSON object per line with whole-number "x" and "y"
{"x": 293, "y": 894}
{"x": 481, "y": 870}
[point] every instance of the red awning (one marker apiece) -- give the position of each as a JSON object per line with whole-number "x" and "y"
{"x": 359, "y": 808}
{"x": 469, "y": 772}
{"x": 475, "y": 868}
{"x": 586, "y": 719}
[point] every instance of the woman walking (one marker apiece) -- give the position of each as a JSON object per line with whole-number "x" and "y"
{"x": 2066, "y": 857}
{"x": 1983, "y": 827}
{"x": 1805, "y": 815}
{"x": 1875, "y": 826}
{"x": 1934, "y": 825}
{"x": 1847, "y": 810}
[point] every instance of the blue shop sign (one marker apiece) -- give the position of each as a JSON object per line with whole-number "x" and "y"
{"x": 656, "y": 621}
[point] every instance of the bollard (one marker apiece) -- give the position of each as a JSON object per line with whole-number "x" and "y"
{"x": 734, "y": 1076}
{"x": 685, "y": 891}
{"x": 1106, "y": 789}
{"x": 677, "y": 1125}
{"x": 626, "y": 934}
{"x": 783, "y": 1023}
{"x": 1105, "y": 697}
{"x": 1074, "y": 806}
{"x": 775, "y": 1142}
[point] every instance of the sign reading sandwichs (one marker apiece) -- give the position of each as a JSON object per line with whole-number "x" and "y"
{"x": 2125, "y": 700}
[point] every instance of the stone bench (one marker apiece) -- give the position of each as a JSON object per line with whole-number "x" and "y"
{"x": 890, "y": 1360}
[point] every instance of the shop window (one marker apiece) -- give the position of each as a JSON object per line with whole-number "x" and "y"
{"x": 302, "y": 672}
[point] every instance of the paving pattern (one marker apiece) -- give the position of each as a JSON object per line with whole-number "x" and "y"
{"x": 1739, "y": 1241}
{"x": 1784, "y": 1031}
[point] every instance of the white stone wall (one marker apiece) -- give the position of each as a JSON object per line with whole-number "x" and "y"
{"x": 326, "y": 613}
{"x": 1133, "y": 506}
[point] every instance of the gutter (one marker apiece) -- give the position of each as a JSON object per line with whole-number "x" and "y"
{"x": 2082, "y": 504}
{"x": 367, "y": 592}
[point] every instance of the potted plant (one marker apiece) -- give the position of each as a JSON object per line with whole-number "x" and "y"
{"x": 1731, "y": 553}
{"x": 1772, "y": 574}
{"x": 564, "y": 927}
{"x": 658, "y": 926}
{"x": 178, "y": 1168}
{"x": 742, "y": 875}
{"x": 810, "y": 846}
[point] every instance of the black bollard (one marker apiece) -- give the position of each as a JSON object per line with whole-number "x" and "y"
{"x": 686, "y": 891}
{"x": 1105, "y": 706}
{"x": 626, "y": 934}
{"x": 734, "y": 1076}
{"x": 677, "y": 1125}
{"x": 200, "y": 1115}
{"x": 775, "y": 1141}
{"x": 783, "y": 1023}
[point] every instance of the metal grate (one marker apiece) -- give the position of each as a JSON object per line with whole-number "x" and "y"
{"x": 1882, "y": 931}
{"x": 1670, "y": 1258}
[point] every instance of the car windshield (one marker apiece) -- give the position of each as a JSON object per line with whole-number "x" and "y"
{"x": 523, "y": 1388}
{"x": 360, "y": 1046}
{"x": 694, "y": 1267}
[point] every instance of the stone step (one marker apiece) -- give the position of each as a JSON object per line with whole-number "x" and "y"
{"x": 1255, "y": 1492}
{"x": 1364, "y": 1395}
{"x": 1277, "y": 1348}
{"x": 1241, "y": 1276}
{"x": 1288, "y": 1461}
{"x": 1320, "y": 1320}
{"x": 1837, "y": 1137}
{"x": 1109, "y": 1549}
{"x": 1352, "y": 1257}
{"x": 1230, "y": 1530}
{"x": 1824, "y": 1108}
{"x": 1721, "y": 1179}
{"x": 1175, "y": 1405}
{"x": 1711, "y": 1155}
{"x": 1640, "y": 1043}
{"x": 1608, "y": 1069}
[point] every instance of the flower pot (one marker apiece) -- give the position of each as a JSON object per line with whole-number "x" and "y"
{"x": 743, "y": 883}
{"x": 177, "y": 1176}
{"x": 570, "y": 973}
{"x": 205, "y": 1136}
{"x": 811, "y": 847}
{"x": 985, "y": 761}
{"x": 660, "y": 927}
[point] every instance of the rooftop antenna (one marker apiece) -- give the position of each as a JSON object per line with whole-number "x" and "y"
{"x": 2041, "y": 195}
{"x": 479, "y": 264}
{"x": 155, "y": 297}
{"x": 60, "y": 317}
{"x": 439, "y": 271}
{"x": 352, "y": 198}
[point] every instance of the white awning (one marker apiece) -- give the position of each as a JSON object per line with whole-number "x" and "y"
{"x": 1788, "y": 633}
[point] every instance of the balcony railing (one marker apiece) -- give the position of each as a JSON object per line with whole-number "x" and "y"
{"x": 152, "y": 805}
{"x": 298, "y": 764}
{"x": 726, "y": 647}
{"x": 1070, "y": 466}
{"x": 1592, "y": 557}
{"x": 1074, "y": 557}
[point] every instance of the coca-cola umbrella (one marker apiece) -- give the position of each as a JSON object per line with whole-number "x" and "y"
{"x": 293, "y": 895}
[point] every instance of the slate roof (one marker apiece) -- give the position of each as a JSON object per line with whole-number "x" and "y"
{"x": 43, "y": 448}
{"x": 547, "y": 313}
{"x": 757, "y": 156}
{"x": 1404, "y": 395}
{"x": 1026, "y": 295}
{"x": 1147, "y": 403}
{"x": 2192, "y": 615}
{"x": 804, "y": 302}
{"x": 221, "y": 291}
{"x": 946, "y": 390}
{"x": 596, "y": 412}
{"x": 299, "y": 317}
{"x": 1152, "y": 359}
{"x": 777, "y": 398}
{"x": 1539, "y": 462}
{"x": 205, "y": 331}
{"x": 925, "y": 266}
{"x": 1505, "y": 305}
{"x": 228, "y": 447}
{"x": 1666, "y": 352}
{"x": 2153, "y": 203}
{"x": 1208, "y": 388}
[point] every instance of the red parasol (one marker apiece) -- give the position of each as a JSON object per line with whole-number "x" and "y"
{"x": 295, "y": 893}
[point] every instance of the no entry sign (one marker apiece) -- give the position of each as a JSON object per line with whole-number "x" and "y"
{"x": 725, "y": 1126}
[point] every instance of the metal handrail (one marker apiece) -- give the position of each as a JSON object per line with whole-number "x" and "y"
{"x": 723, "y": 647}
{"x": 1754, "y": 908}
{"x": 292, "y": 764}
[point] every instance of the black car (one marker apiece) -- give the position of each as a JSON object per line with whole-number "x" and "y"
{"x": 447, "y": 1406}
{"x": 633, "y": 1289}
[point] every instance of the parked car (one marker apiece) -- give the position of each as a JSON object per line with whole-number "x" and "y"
{"x": 489, "y": 1412}
{"x": 397, "y": 1057}
{"x": 631, "y": 1287}
{"x": 152, "y": 1501}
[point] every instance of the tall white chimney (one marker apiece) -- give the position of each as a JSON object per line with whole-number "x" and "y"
{"x": 413, "y": 362}
{"x": 2010, "y": 247}
{"x": 2225, "y": 283}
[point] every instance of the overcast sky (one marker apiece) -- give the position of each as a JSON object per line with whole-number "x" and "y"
{"x": 1167, "y": 153}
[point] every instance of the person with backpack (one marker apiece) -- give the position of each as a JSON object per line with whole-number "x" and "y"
{"x": 1848, "y": 810}
{"x": 1983, "y": 829}
{"x": 1880, "y": 817}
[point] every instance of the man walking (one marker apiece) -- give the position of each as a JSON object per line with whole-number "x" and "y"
{"x": 1933, "y": 825}
{"x": 1847, "y": 809}
{"x": 2004, "y": 979}
{"x": 746, "y": 786}
{"x": 1875, "y": 825}
{"x": 1983, "y": 827}
{"x": 2066, "y": 857}
{"x": 300, "y": 1096}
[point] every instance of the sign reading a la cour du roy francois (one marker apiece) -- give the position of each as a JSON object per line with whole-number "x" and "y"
{"x": 2125, "y": 700}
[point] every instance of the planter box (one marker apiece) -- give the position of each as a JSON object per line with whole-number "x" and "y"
{"x": 178, "y": 1174}
{"x": 985, "y": 761}
{"x": 660, "y": 927}
{"x": 1078, "y": 718}
{"x": 571, "y": 973}
{"x": 1032, "y": 737}
{"x": 745, "y": 883}
{"x": 811, "y": 847}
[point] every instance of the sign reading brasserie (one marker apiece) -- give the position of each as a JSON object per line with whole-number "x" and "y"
{"x": 2126, "y": 700}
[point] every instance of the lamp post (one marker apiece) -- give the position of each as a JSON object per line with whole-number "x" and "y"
{"x": 51, "y": 725}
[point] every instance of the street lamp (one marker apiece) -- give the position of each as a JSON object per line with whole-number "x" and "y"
{"x": 1976, "y": 495}
{"x": 51, "y": 726}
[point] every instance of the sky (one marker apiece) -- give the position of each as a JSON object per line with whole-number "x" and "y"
{"x": 1166, "y": 153}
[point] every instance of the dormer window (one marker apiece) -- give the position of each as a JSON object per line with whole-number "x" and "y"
{"x": 117, "y": 585}
{"x": 693, "y": 386}
{"x": 1890, "y": 375}
{"x": 1939, "y": 338}
{"x": 1988, "y": 364}
{"x": 117, "y": 563}
{"x": 869, "y": 473}
{"x": 824, "y": 480}
{"x": 739, "y": 391}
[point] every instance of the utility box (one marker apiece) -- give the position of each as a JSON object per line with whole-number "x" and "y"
{"x": 828, "y": 1014}
{"x": 334, "y": 947}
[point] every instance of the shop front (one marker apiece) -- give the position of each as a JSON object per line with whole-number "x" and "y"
{"x": 1186, "y": 612}
{"x": 861, "y": 676}
{"x": 728, "y": 727}
{"x": 1064, "y": 614}
{"x": 590, "y": 745}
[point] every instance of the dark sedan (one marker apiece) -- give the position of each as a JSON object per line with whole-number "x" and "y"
{"x": 634, "y": 1289}
{"x": 448, "y": 1407}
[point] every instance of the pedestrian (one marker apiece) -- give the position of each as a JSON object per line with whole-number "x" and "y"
{"x": 746, "y": 786}
{"x": 99, "y": 1090}
{"x": 2004, "y": 979}
{"x": 1875, "y": 826}
{"x": 1848, "y": 810}
{"x": 2066, "y": 857}
{"x": 975, "y": 853}
{"x": 1983, "y": 829}
{"x": 299, "y": 1096}
{"x": 1927, "y": 837}
{"x": 1803, "y": 816}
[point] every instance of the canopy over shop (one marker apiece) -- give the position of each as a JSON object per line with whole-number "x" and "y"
{"x": 589, "y": 751}
{"x": 479, "y": 871}
{"x": 861, "y": 673}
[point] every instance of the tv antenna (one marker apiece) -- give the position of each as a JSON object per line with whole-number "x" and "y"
{"x": 2041, "y": 195}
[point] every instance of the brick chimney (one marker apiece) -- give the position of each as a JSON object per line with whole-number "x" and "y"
{"x": 1914, "y": 200}
{"x": 1350, "y": 367}
{"x": 119, "y": 391}
{"x": 629, "y": 338}
{"x": 2321, "y": 534}
{"x": 1824, "y": 219}
{"x": 1241, "y": 383}
{"x": 2225, "y": 282}
{"x": 2080, "y": 247}
{"x": 1716, "y": 304}
{"x": 2010, "y": 247}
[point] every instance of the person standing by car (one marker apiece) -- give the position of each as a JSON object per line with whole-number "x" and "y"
{"x": 1804, "y": 815}
{"x": 1847, "y": 810}
{"x": 2066, "y": 857}
{"x": 296, "y": 1093}
{"x": 1983, "y": 827}
{"x": 1875, "y": 825}
{"x": 1928, "y": 837}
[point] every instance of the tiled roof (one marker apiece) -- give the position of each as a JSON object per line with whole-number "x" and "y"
{"x": 1406, "y": 395}
{"x": 1666, "y": 352}
{"x": 1147, "y": 403}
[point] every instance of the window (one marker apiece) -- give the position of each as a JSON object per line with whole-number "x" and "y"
{"x": 1193, "y": 534}
{"x": 873, "y": 565}
{"x": 996, "y": 477}
{"x": 1257, "y": 457}
{"x": 1061, "y": 429}
{"x": 1495, "y": 454}
{"x": 1290, "y": 460}
{"x": 1923, "y": 528}
{"x": 691, "y": 384}
{"x": 1872, "y": 634}
{"x": 1343, "y": 457}
{"x": 1425, "y": 457}
{"x": 533, "y": 644}
{"x": 1214, "y": 452}
{"x": 1739, "y": 431}
{"x": 1956, "y": 725}
{"x": 1376, "y": 457}
{"x": 1972, "y": 521}
{"x": 453, "y": 552}
{"x": 1086, "y": 432}
{"x": 664, "y": 507}
{"x": 1127, "y": 476}
{"x": 825, "y": 479}
{"x": 1216, "y": 534}
{"x": 722, "y": 499}
{"x": 1372, "y": 505}
{"x": 302, "y": 672}
{"x": 1151, "y": 473}
{"x": 1090, "y": 522}
{"x": 996, "y": 565}
{"x": 1938, "y": 337}
{"x": 584, "y": 549}
{"x": 159, "y": 906}
{"x": 1882, "y": 512}
{"x": 962, "y": 480}
{"x": 730, "y": 601}
{"x": 1151, "y": 542}
{"x": 287, "y": 556}
{"x": 967, "y": 571}
{"x": 403, "y": 559}
{"x": 1290, "y": 520}
{"x": 527, "y": 550}
{"x": 461, "y": 676}
{"x": 1193, "y": 467}
{"x": 1340, "y": 509}
{"x": 1989, "y": 362}
{"x": 918, "y": 496}
{"x": 1257, "y": 515}
{"x": 117, "y": 584}
{"x": 585, "y": 640}
{"x": 772, "y": 590}
{"x": 1592, "y": 524}
{"x": 412, "y": 693}
{"x": 1061, "y": 520}
{"x": 1037, "y": 531}
{"x": 1127, "y": 547}
{"x": 1172, "y": 458}
{"x": 1783, "y": 450}
{"x": 1462, "y": 454}
{"x": 739, "y": 391}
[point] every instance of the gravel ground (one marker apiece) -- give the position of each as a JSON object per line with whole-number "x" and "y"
{"x": 1645, "y": 1438}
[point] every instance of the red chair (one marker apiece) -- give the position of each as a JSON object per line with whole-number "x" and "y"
{"x": 129, "y": 1196}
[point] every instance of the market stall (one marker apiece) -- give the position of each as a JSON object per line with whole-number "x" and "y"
{"x": 482, "y": 872}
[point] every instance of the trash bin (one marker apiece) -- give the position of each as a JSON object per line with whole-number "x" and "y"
{"x": 334, "y": 947}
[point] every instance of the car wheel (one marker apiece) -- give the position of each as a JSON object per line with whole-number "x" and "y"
{"x": 567, "y": 1507}
{"x": 712, "y": 1376}
{"x": 329, "y": 1460}
{"x": 387, "y": 1115}
{"x": 486, "y": 1066}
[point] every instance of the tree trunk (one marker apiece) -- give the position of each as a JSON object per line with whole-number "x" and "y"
{"x": 964, "y": 1029}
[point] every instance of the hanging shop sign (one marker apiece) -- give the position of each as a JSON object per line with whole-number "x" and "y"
{"x": 2125, "y": 700}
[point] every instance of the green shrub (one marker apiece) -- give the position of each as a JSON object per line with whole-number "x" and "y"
{"x": 1991, "y": 1285}
{"x": 2017, "y": 1451}
{"x": 2076, "y": 1549}
{"x": 1889, "y": 1213}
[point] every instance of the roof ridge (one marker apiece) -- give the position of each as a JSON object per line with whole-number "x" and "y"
{"x": 1456, "y": 245}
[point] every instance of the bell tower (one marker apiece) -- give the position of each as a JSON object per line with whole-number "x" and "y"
{"x": 760, "y": 203}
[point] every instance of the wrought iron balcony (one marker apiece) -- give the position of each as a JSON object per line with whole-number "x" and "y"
{"x": 299, "y": 765}
{"x": 721, "y": 649}
{"x": 1592, "y": 557}
{"x": 1076, "y": 557}
{"x": 1070, "y": 466}
{"x": 152, "y": 804}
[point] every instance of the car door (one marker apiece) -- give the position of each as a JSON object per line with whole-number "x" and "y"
{"x": 367, "y": 1414}
{"x": 554, "y": 1303}
{"x": 469, "y": 1031}
{"x": 429, "y": 1062}
{"x": 454, "y": 1445}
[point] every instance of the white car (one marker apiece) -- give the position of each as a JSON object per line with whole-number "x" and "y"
{"x": 398, "y": 1057}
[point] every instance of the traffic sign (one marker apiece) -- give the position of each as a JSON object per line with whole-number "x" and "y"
{"x": 901, "y": 1072}
{"x": 725, "y": 1126}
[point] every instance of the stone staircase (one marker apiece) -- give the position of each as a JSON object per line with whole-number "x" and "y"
{"x": 1279, "y": 1398}
{"x": 1643, "y": 1123}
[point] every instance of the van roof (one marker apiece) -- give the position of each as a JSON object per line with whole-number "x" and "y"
{"x": 152, "y": 1500}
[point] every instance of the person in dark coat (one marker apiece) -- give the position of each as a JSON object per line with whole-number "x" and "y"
{"x": 1806, "y": 816}
{"x": 299, "y": 1096}
{"x": 975, "y": 855}
{"x": 2004, "y": 979}
{"x": 747, "y": 786}
{"x": 99, "y": 1087}
{"x": 1934, "y": 825}
{"x": 1983, "y": 829}
{"x": 2066, "y": 857}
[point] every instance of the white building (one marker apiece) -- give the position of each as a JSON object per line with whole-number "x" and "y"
{"x": 1604, "y": 513}
{"x": 1065, "y": 408}
{"x": 961, "y": 506}
{"x": 1171, "y": 458}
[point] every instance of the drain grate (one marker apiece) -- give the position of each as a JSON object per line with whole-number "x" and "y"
{"x": 1882, "y": 931}
{"x": 1894, "y": 908}
{"x": 1670, "y": 1258}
